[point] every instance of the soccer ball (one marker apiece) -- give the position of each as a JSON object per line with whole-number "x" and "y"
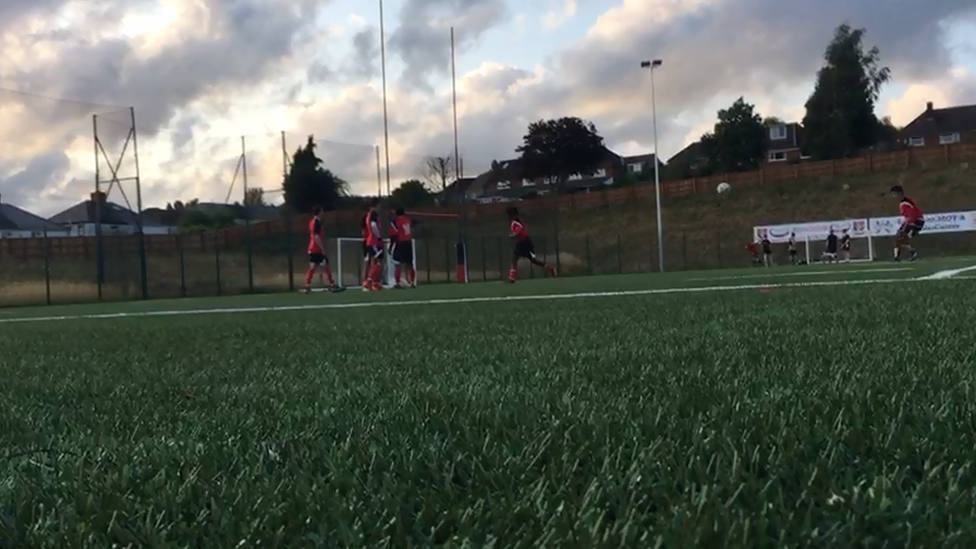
{"x": 723, "y": 188}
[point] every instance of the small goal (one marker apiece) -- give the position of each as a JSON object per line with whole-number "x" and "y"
{"x": 862, "y": 249}
{"x": 350, "y": 259}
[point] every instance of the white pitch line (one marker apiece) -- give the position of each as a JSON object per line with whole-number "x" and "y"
{"x": 803, "y": 273}
{"x": 460, "y": 300}
{"x": 942, "y": 275}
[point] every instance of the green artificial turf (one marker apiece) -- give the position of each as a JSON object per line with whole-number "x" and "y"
{"x": 802, "y": 417}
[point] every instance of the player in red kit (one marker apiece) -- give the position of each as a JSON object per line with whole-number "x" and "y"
{"x": 523, "y": 245}
{"x": 317, "y": 260}
{"x": 402, "y": 227}
{"x": 374, "y": 245}
{"x": 912, "y": 222}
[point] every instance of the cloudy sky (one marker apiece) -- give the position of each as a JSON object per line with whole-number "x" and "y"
{"x": 201, "y": 74}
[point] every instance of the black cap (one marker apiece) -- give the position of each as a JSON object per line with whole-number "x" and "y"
{"x": 399, "y": 211}
{"x": 897, "y": 189}
{"x": 317, "y": 210}
{"x": 511, "y": 210}
{"x": 373, "y": 202}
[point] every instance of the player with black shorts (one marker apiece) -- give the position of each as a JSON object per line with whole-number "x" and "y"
{"x": 524, "y": 249}
{"x": 912, "y": 223}
{"x": 845, "y": 246}
{"x": 767, "y": 250}
{"x": 402, "y": 228}
{"x": 318, "y": 262}
{"x": 830, "y": 252}
{"x": 791, "y": 245}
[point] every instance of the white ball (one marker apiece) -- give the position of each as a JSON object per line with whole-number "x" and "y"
{"x": 723, "y": 188}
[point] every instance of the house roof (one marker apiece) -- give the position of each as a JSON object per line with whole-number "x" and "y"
{"x": 946, "y": 120}
{"x": 648, "y": 158}
{"x": 84, "y": 212}
{"x": 13, "y": 218}
{"x": 693, "y": 150}
{"x": 458, "y": 187}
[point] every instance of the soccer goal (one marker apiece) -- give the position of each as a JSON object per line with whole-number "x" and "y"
{"x": 351, "y": 258}
{"x": 862, "y": 249}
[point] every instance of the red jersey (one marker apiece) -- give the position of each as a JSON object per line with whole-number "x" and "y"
{"x": 517, "y": 231}
{"x": 909, "y": 211}
{"x": 753, "y": 247}
{"x": 392, "y": 230}
{"x": 372, "y": 238}
{"x": 404, "y": 228}
{"x": 315, "y": 228}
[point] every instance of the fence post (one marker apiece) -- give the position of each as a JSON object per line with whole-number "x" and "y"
{"x": 589, "y": 258}
{"x": 501, "y": 266}
{"x": 427, "y": 255}
{"x": 182, "y": 252}
{"x": 484, "y": 261}
{"x": 143, "y": 264}
{"x": 99, "y": 259}
{"x": 684, "y": 250}
{"x": 620, "y": 260}
{"x": 447, "y": 259}
{"x": 289, "y": 248}
{"x": 220, "y": 289}
{"x": 47, "y": 267}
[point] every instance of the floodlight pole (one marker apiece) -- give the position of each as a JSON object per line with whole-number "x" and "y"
{"x": 386, "y": 120}
{"x": 651, "y": 65}
{"x": 143, "y": 267}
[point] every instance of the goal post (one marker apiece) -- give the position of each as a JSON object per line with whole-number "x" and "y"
{"x": 862, "y": 249}
{"x": 350, "y": 259}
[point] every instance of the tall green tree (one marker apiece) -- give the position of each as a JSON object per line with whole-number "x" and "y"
{"x": 840, "y": 119}
{"x": 309, "y": 184}
{"x": 555, "y": 150}
{"x": 411, "y": 194}
{"x": 254, "y": 196}
{"x": 738, "y": 142}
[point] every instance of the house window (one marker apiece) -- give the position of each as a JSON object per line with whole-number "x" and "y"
{"x": 916, "y": 141}
{"x": 635, "y": 168}
{"x": 777, "y": 156}
{"x": 777, "y": 133}
{"x": 948, "y": 138}
{"x": 502, "y": 185}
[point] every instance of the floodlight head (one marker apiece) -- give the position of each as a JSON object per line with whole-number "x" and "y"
{"x": 651, "y": 64}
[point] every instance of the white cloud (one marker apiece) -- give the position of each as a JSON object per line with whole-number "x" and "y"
{"x": 556, "y": 17}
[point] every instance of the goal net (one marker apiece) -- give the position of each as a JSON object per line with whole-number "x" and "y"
{"x": 350, "y": 262}
{"x": 862, "y": 250}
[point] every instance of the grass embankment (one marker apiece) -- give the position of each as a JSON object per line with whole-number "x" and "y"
{"x": 735, "y": 420}
{"x": 708, "y": 230}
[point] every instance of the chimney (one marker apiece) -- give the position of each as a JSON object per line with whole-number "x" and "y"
{"x": 97, "y": 199}
{"x": 928, "y": 107}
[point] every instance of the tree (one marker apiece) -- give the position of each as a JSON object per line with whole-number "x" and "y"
{"x": 738, "y": 142}
{"x": 196, "y": 221}
{"x": 308, "y": 184}
{"x": 254, "y": 196}
{"x": 438, "y": 171}
{"x": 840, "y": 119}
{"x": 555, "y": 150}
{"x": 410, "y": 194}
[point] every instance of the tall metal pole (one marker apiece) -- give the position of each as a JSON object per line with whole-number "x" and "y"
{"x": 386, "y": 121}
{"x": 657, "y": 164}
{"x": 143, "y": 267}
{"x": 457, "y": 154}
{"x": 247, "y": 217}
{"x": 379, "y": 173}
{"x": 97, "y": 206}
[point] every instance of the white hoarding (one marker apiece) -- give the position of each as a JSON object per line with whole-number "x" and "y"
{"x": 952, "y": 222}
{"x": 816, "y": 230}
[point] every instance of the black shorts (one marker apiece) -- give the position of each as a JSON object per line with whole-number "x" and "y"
{"x": 792, "y": 251}
{"x": 403, "y": 252}
{"x": 524, "y": 249}
{"x": 846, "y": 247}
{"x": 767, "y": 251}
{"x": 831, "y": 251}
{"x": 912, "y": 229}
{"x": 319, "y": 260}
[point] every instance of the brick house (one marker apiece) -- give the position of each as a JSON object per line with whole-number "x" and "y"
{"x": 505, "y": 180}
{"x": 941, "y": 126}
{"x": 784, "y": 142}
